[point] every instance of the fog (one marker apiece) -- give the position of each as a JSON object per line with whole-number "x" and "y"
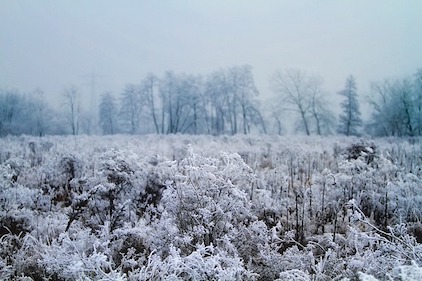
{"x": 101, "y": 46}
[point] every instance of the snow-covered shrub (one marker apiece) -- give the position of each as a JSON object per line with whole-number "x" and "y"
{"x": 258, "y": 250}
{"x": 9, "y": 244}
{"x": 206, "y": 199}
{"x": 79, "y": 256}
{"x": 362, "y": 149}
{"x": 17, "y": 204}
{"x": 58, "y": 178}
{"x": 129, "y": 249}
{"x": 205, "y": 263}
{"x": 412, "y": 272}
{"x": 377, "y": 252}
{"x": 294, "y": 274}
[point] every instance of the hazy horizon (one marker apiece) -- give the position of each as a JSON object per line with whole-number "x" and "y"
{"x": 52, "y": 45}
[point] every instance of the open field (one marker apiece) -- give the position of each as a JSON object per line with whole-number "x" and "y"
{"x": 186, "y": 207}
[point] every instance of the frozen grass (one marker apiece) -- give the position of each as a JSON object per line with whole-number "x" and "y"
{"x": 210, "y": 208}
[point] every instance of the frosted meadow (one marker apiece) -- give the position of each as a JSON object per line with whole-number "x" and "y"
{"x": 210, "y": 140}
{"x": 179, "y": 207}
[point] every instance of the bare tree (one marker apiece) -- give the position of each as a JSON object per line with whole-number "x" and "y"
{"x": 188, "y": 103}
{"x": 244, "y": 93}
{"x": 108, "y": 114}
{"x": 25, "y": 113}
{"x": 233, "y": 103}
{"x": 130, "y": 108}
{"x": 214, "y": 89}
{"x": 395, "y": 109}
{"x": 149, "y": 89}
{"x": 183, "y": 103}
{"x": 11, "y": 105}
{"x": 41, "y": 112}
{"x": 195, "y": 113}
{"x": 418, "y": 101}
{"x": 322, "y": 116}
{"x": 167, "y": 93}
{"x": 294, "y": 93}
{"x": 380, "y": 125}
{"x": 404, "y": 92}
{"x": 278, "y": 124}
{"x": 71, "y": 100}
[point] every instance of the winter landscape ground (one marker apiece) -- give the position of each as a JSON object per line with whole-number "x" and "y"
{"x": 180, "y": 207}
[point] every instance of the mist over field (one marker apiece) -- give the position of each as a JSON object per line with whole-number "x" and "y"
{"x": 210, "y": 140}
{"x": 275, "y": 67}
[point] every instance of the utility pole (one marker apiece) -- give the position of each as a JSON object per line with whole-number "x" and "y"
{"x": 92, "y": 102}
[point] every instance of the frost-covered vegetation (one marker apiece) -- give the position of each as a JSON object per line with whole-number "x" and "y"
{"x": 210, "y": 208}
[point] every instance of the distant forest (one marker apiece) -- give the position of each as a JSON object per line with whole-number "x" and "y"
{"x": 224, "y": 102}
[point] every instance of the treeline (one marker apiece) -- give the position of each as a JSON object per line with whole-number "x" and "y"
{"x": 27, "y": 114}
{"x": 397, "y": 107}
{"x": 224, "y": 102}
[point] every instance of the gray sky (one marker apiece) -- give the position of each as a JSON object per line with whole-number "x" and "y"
{"x": 54, "y": 44}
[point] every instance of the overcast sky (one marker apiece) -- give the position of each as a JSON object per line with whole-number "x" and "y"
{"x": 54, "y": 44}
